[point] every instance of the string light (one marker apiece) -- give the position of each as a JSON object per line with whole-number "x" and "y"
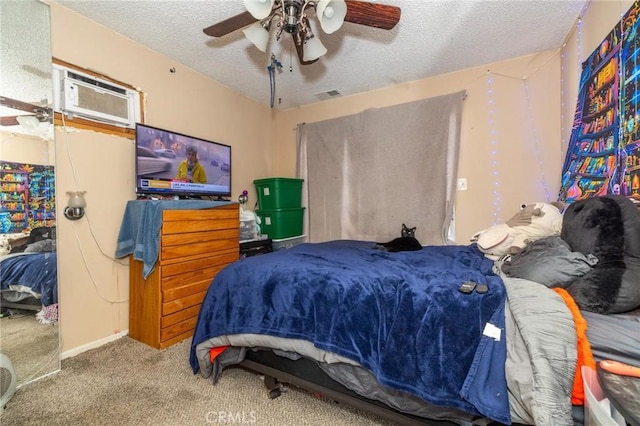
{"x": 497, "y": 195}
{"x": 563, "y": 136}
{"x": 497, "y": 199}
{"x": 536, "y": 142}
{"x": 579, "y": 47}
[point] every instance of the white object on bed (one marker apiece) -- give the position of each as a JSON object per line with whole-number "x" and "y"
{"x": 531, "y": 223}
{"x": 597, "y": 408}
{"x": 5, "y": 247}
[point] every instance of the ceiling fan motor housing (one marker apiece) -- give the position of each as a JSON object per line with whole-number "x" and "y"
{"x": 291, "y": 10}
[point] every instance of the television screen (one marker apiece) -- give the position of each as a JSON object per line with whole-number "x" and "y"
{"x": 170, "y": 163}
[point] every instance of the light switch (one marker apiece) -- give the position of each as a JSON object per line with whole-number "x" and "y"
{"x": 462, "y": 184}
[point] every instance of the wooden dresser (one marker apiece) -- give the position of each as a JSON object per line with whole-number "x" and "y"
{"x": 194, "y": 246}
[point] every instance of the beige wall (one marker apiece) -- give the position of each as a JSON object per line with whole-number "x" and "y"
{"x": 19, "y": 148}
{"x": 532, "y": 119}
{"x": 93, "y": 286}
{"x": 526, "y": 112}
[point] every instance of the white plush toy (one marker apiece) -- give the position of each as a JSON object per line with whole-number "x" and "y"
{"x": 532, "y": 222}
{"x": 5, "y": 246}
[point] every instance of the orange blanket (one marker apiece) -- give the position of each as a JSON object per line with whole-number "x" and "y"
{"x": 585, "y": 356}
{"x": 214, "y": 352}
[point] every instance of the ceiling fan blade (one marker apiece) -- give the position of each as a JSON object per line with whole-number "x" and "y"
{"x": 230, "y": 25}
{"x": 9, "y": 121}
{"x": 300, "y": 48}
{"x": 372, "y": 14}
{"x": 23, "y": 106}
{"x": 12, "y": 120}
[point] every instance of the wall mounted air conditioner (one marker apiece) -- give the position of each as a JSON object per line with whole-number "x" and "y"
{"x": 79, "y": 94}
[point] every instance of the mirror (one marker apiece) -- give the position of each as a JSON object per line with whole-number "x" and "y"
{"x": 28, "y": 263}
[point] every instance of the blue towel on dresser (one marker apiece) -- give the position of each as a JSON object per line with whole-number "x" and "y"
{"x": 140, "y": 229}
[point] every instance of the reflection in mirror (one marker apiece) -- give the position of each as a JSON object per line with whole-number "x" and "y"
{"x": 28, "y": 257}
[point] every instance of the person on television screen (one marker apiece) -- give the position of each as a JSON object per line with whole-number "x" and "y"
{"x": 190, "y": 169}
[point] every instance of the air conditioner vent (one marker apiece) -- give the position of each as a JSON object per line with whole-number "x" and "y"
{"x": 97, "y": 83}
{"x": 328, "y": 95}
{"x": 83, "y": 95}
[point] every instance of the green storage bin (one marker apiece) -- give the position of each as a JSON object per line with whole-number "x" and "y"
{"x": 281, "y": 223}
{"x": 279, "y": 193}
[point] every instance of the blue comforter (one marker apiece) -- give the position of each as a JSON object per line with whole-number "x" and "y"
{"x": 398, "y": 314}
{"x": 37, "y": 271}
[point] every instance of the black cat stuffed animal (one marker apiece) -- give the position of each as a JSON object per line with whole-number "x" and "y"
{"x": 407, "y": 242}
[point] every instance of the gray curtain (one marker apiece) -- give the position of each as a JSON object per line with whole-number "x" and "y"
{"x": 366, "y": 174}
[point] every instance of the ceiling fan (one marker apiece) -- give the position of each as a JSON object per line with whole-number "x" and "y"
{"x": 30, "y": 121}
{"x": 292, "y": 16}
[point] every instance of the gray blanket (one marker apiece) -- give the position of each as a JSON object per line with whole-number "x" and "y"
{"x": 541, "y": 354}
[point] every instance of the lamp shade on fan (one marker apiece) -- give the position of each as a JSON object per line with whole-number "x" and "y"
{"x": 258, "y": 35}
{"x": 313, "y": 49}
{"x": 259, "y": 9}
{"x": 331, "y": 14}
{"x": 28, "y": 122}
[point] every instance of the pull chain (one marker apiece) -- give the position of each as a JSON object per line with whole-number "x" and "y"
{"x": 291, "y": 57}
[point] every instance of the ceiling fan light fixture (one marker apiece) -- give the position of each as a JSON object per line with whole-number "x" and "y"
{"x": 258, "y": 34}
{"x": 331, "y": 14}
{"x": 28, "y": 122}
{"x": 259, "y": 9}
{"x": 293, "y": 17}
{"x": 313, "y": 49}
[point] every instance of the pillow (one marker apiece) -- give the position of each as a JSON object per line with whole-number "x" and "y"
{"x": 532, "y": 222}
{"x": 42, "y": 233}
{"x": 41, "y": 246}
{"x": 549, "y": 261}
{"x": 607, "y": 227}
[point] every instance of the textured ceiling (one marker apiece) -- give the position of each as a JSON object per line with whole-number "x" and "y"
{"x": 433, "y": 37}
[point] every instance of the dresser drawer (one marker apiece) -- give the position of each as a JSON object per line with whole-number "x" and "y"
{"x": 176, "y": 305}
{"x": 185, "y": 290}
{"x": 197, "y": 267}
{"x": 179, "y": 329}
{"x": 190, "y": 238}
{"x": 187, "y": 252}
{"x": 185, "y": 221}
{"x": 179, "y": 316}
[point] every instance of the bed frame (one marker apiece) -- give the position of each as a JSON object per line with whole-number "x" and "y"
{"x": 305, "y": 374}
{"x": 24, "y": 304}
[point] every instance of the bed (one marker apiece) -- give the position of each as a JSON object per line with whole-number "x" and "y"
{"x": 29, "y": 276}
{"x": 392, "y": 332}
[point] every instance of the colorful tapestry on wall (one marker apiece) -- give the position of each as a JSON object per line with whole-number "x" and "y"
{"x": 603, "y": 155}
{"x": 27, "y": 196}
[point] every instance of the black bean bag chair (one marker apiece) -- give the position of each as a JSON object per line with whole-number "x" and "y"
{"x": 607, "y": 227}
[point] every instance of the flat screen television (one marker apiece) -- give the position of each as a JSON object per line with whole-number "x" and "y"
{"x": 173, "y": 164}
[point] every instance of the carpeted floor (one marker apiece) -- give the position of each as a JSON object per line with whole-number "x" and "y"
{"x": 128, "y": 383}
{"x": 33, "y": 348}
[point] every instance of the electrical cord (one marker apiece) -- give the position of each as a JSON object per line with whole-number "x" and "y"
{"x": 271, "y": 68}
{"x": 75, "y": 183}
{"x": 75, "y": 234}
